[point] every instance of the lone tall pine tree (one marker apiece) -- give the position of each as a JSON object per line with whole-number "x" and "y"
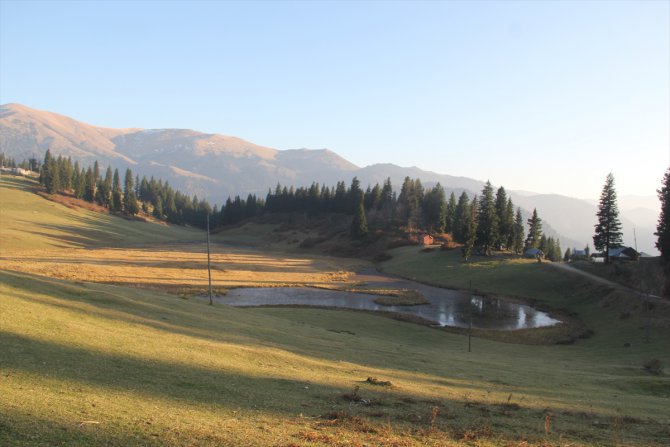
{"x": 608, "y": 229}
{"x": 663, "y": 227}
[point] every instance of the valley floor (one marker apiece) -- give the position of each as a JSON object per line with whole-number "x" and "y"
{"x": 95, "y": 351}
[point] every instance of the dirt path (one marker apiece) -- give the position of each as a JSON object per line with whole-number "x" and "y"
{"x": 598, "y": 279}
{"x": 591, "y": 276}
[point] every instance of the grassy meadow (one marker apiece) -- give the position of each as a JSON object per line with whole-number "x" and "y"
{"x": 616, "y": 317}
{"x": 87, "y": 360}
{"x": 45, "y": 238}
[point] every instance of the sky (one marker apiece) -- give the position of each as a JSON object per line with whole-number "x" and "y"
{"x": 544, "y": 96}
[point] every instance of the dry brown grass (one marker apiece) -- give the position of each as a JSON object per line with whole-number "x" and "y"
{"x": 181, "y": 268}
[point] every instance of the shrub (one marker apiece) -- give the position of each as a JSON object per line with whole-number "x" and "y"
{"x": 653, "y": 366}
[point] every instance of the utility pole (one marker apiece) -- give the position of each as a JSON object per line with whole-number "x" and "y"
{"x": 470, "y": 326}
{"x": 647, "y": 308}
{"x": 209, "y": 264}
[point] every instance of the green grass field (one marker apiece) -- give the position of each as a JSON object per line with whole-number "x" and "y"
{"x": 30, "y": 222}
{"x": 616, "y": 317}
{"x": 86, "y": 364}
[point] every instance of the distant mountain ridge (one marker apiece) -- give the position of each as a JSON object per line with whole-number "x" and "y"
{"x": 216, "y": 166}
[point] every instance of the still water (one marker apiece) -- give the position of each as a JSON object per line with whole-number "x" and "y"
{"x": 446, "y": 307}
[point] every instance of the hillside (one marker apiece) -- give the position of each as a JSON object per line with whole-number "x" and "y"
{"x": 217, "y": 166}
{"x": 208, "y": 165}
{"x": 89, "y": 363}
{"x": 30, "y": 222}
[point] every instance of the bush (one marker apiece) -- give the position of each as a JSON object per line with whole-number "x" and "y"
{"x": 653, "y": 366}
{"x": 312, "y": 241}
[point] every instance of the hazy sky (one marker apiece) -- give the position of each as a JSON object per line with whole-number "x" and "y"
{"x": 542, "y": 96}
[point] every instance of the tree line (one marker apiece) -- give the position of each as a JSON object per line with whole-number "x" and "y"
{"x": 32, "y": 164}
{"x": 482, "y": 223}
{"x": 152, "y": 196}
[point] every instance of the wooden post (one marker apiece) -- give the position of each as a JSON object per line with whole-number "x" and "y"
{"x": 470, "y": 308}
{"x": 647, "y": 311}
{"x": 209, "y": 264}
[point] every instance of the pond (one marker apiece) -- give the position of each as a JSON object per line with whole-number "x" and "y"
{"x": 445, "y": 308}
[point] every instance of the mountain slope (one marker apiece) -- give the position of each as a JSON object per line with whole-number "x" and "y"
{"x": 27, "y": 132}
{"x": 216, "y": 166}
{"x": 209, "y": 165}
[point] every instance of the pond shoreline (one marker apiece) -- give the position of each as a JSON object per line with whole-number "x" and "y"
{"x": 443, "y": 307}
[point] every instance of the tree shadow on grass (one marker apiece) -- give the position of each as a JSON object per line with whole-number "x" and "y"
{"x": 202, "y": 384}
{"x": 17, "y": 429}
{"x": 155, "y": 378}
{"x": 227, "y": 325}
{"x": 196, "y": 319}
{"x": 221, "y": 391}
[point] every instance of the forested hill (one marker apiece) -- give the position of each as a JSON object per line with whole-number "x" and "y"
{"x": 209, "y": 165}
{"x": 216, "y": 167}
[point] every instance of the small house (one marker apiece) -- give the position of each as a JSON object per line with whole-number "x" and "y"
{"x": 534, "y": 253}
{"x": 623, "y": 254}
{"x": 20, "y": 171}
{"x": 426, "y": 239}
{"x": 579, "y": 253}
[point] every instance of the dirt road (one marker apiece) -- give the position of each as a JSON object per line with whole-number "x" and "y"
{"x": 598, "y": 279}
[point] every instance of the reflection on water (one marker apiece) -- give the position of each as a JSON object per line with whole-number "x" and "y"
{"x": 446, "y": 307}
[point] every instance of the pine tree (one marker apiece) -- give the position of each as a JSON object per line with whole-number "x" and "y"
{"x": 117, "y": 194}
{"x": 64, "y": 166}
{"x": 518, "y": 232}
{"x": 415, "y": 209}
{"x": 567, "y": 255}
{"x": 386, "y": 201}
{"x": 99, "y": 193}
{"x": 96, "y": 171}
{"x": 45, "y": 174}
{"x": 130, "y": 205}
{"x": 79, "y": 179}
{"x": 89, "y": 185}
{"x": 402, "y": 206}
{"x": 451, "y": 211}
{"x": 359, "y": 225}
{"x": 534, "y": 231}
{"x": 107, "y": 187}
{"x": 663, "y": 227}
{"x": 127, "y": 189}
{"x": 55, "y": 183}
{"x": 487, "y": 220}
{"x": 355, "y": 196}
{"x": 544, "y": 245}
{"x": 471, "y": 230}
{"x": 461, "y": 216}
{"x": 51, "y": 173}
{"x": 435, "y": 209}
{"x": 557, "y": 251}
{"x": 509, "y": 224}
{"x": 608, "y": 229}
{"x": 340, "y": 199}
{"x": 550, "y": 248}
{"x": 505, "y": 219}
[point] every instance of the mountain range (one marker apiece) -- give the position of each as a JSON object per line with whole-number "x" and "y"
{"x": 217, "y": 166}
